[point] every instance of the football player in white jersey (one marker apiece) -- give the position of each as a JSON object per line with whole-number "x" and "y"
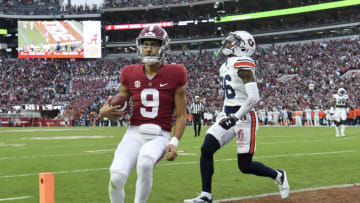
{"x": 316, "y": 116}
{"x": 239, "y": 120}
{"x": 308, "y": 116}
{"x": 285, "y": 117}
{"x": 340, "y": 114}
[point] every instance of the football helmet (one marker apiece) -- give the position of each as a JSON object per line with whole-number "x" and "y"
{"x": 242, "y": 44}
{"x": 153, "y": 32}
{"x": 341, "y": 91}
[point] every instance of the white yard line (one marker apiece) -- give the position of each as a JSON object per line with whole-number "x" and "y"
{"x": 66, "y": 137}
{"x": 189, "y": 162}
{"x": 40, "y": 130}
{"x": 57, "y": 172}
{"x": 14, "y": 198}
{"x": 52, "y": 155}
{"x": 2, "y": 144}
{"x": 100, "y": 151}
{"x": 293, "y": 191}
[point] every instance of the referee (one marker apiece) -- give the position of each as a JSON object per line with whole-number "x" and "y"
{"x": 196, "y": 109}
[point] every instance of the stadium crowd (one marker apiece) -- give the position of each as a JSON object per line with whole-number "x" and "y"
{"x": 83, "y": 85}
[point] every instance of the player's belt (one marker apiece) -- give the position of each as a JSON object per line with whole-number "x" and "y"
{"x": 231, "y": 109}
{"x": 340, "y": 106}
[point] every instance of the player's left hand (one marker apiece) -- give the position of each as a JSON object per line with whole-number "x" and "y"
{"x": 170, "y": 152}
{"x": 228, "y": 122}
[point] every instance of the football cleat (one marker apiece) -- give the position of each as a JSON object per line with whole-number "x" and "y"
{"x": 199, "y": 199}
{"x": 283, "y": 184}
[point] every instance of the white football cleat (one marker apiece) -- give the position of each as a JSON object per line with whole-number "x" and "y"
{"x": 283, "y": 184}
{"x": 199, "y": 199}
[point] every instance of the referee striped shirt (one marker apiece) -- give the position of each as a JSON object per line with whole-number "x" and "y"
{"x": 196, "y": 108}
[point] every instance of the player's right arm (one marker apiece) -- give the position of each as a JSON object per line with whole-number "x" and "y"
{"x": 111, "y": 112}
{"x": 252, "y": 91}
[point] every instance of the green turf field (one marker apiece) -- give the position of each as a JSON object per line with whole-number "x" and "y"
{"x": 312, "y": 157}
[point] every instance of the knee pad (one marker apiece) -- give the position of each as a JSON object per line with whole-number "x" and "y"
{"x": 117, "y": 180}
{"x": 244, "y": 162}
{"x": 210, "y": 145}
{"x": 145, "y": 166}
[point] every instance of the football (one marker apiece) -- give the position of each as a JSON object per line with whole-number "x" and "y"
{"x": 119, "y": 101}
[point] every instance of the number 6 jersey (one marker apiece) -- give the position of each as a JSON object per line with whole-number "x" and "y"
{"x": 153, "y": 98}
{"x": 232, "y": 84}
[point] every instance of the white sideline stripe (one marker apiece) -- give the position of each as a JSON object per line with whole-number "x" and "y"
{"x": 186, "y": 163}
{"x": 14, "y": 198}
{"x": 294, "y": 191}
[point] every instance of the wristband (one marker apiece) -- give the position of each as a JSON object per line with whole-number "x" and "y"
{"x": 174, "y": 141}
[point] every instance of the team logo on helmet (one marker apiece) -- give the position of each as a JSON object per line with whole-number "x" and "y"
{"x": 251, "y": 42}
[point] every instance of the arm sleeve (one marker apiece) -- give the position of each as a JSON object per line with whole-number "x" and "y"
{"x": 253, "y": 97}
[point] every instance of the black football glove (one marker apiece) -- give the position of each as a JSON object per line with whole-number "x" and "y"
{"x": 228, "y": 122}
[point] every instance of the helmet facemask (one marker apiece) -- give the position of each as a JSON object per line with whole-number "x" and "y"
{"x": 239, "y": 47}
{"x": 154, "y": 57}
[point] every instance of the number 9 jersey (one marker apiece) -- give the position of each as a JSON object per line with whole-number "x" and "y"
{"x": 153, "y": 98}
{"x": 232, "y": 84}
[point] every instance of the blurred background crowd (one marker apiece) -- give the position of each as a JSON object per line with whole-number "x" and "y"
{"x": 301, "y": 61}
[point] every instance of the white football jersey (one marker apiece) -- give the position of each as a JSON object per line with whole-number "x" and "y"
{"x": 341, "y": 101}
{"x": 316, "y": 113}
{"x": 234, "y": 87}
{"x": 284, "y": 114}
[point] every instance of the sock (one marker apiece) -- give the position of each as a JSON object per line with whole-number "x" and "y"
{"x": 343, "y": 129}
{"x": 247, "y": 166}
{"x": 207, "y": 161}
{"x": 337, "y": 130}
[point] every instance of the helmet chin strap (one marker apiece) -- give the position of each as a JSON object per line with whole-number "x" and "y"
{"x": 150, "y": 60}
